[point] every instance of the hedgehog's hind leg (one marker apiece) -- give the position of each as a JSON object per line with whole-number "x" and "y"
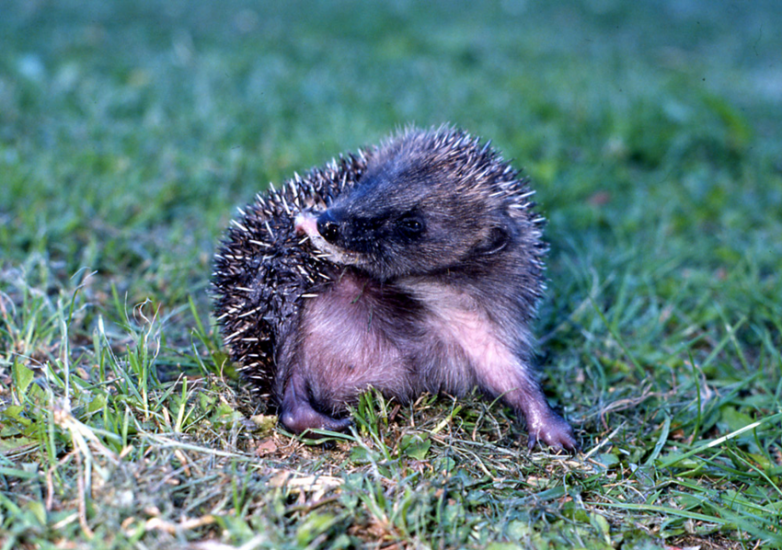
{"x": 512, "y": 379}
{"x": 297, "y": 414}
{"x": 543, "y": 423}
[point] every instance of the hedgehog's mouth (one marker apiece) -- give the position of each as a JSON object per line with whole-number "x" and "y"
{"x": 306, "y": 223}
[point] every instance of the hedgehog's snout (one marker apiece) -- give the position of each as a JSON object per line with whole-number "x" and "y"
{"x": 328, "y": 227}
{"x": 326, "y": 233}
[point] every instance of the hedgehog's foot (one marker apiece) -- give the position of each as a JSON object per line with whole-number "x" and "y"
{"x": 546, "y": 426}
{"x": 303, "y": 418}
{"x": 298, "y": 416}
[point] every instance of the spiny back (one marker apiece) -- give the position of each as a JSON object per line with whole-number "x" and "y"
{"x": 262, "y": 268}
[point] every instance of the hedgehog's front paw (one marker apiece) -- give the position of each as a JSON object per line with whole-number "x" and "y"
{"x": 553, "y": 430}
{"x": 303, "y": 418}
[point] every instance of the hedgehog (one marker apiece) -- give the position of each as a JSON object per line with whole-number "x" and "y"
{"x": 410, "y": 267}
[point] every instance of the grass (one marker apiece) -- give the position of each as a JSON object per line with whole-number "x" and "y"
{"x": 129, "y": 132}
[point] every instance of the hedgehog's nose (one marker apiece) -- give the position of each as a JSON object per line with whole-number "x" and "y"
{"x": 328, "y": 227}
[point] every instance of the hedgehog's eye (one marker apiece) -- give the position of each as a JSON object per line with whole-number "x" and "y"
{"x": 328, "y": 227}
{"x": 410, "y": 226}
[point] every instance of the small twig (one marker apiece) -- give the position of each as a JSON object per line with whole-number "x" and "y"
{"x": 157, "y": 524}
{"x": 603, "y": 443}
{"x": 306, "y": 508}
{"x": 82, "y": 499}
{"x": 49, "y": 490}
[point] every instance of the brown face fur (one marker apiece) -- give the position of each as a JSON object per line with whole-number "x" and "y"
{"x": 419, "y": 209}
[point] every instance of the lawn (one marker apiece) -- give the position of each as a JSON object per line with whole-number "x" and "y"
{"x": 131, "y": 131}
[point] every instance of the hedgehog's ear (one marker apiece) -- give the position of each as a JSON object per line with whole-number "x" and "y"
{"x": 497, "y": 239}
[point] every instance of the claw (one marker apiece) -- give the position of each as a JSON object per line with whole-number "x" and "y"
{"x": 554, "y": 431}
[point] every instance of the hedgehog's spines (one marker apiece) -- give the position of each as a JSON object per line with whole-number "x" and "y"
{"x": 239, "y": 226}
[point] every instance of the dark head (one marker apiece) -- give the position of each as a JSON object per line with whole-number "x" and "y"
{"x": 429, "y": 201}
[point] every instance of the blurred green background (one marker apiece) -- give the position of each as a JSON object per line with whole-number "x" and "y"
{"x": 652, "y": 131}
{"x": 129, "y": 130}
